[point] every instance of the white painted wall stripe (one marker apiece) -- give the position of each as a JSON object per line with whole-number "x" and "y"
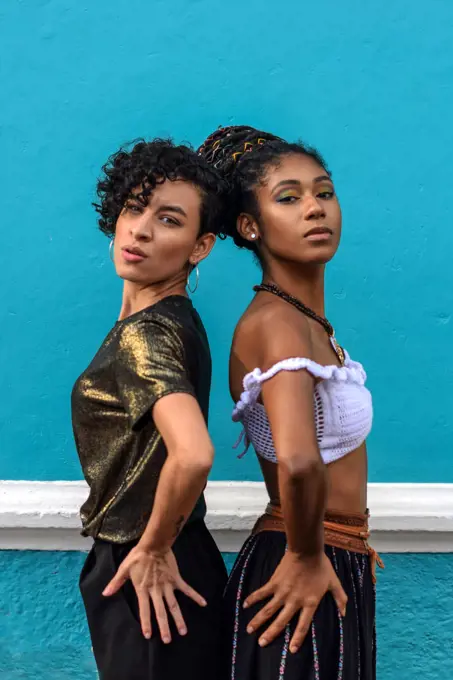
{"x": 404, "y": 517}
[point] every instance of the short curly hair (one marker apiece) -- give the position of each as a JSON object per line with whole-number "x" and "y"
{"x": 148, "y": 164}
{"x": 243, "y": 155}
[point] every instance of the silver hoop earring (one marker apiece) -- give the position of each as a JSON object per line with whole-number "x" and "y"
{"x": 112, "y": 243}
{"x": 197, "y": 275}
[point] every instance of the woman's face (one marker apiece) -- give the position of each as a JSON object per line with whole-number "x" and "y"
{"x": 300, "y": 217}
{"x": 155, "y": 243}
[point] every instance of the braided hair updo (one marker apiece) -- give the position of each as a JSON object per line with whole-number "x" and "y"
{"x": 243, "y": 155}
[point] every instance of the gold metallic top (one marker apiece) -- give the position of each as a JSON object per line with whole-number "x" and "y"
{"x": 160, "y": 350}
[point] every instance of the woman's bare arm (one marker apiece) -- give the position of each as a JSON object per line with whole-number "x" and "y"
{"x": 151, "y": 565}
{"x": 190, "y": 455}
{"x": 304, "y": 574}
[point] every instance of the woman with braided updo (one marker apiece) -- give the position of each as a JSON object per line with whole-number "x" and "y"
{"x": 301, "y": 598}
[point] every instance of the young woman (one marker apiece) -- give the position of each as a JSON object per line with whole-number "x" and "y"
{"x": 304, "y": 581}
{"x": 154, "y": 575}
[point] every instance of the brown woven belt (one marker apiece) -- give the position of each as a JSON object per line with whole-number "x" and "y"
{"x": 348, "y": 531}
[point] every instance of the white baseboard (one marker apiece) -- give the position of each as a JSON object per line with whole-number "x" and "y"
{"x": 404, "y": 517}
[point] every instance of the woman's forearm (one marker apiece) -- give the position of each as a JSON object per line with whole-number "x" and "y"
{"x": 303, "y": 498}
{"x": 180, "y": 485}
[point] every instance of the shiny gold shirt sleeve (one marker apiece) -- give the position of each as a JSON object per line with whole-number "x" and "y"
{"x": 150, "y": 364}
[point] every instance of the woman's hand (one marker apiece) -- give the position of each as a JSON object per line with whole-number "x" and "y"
{"x": 298, "y": 584}
{"x": 155, "y": 576}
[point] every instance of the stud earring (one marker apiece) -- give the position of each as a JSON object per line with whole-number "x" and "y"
{"x": 252, "y": 235}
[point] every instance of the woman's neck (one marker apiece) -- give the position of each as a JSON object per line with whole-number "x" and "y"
{"x": 138, "y": 296}
{"x": 306, "y": 283}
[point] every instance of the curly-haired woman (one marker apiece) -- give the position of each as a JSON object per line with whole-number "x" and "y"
{"x": 140, "y": 409}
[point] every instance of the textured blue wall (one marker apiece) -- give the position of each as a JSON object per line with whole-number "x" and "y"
{"x": 370, "y": 84}
{"x": 43, "y": 631}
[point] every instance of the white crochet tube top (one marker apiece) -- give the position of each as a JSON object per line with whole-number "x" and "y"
{"x": 343, "y": 407}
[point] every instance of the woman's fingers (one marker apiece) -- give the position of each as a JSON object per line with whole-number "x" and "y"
{"x": 278, "y": 625}
{"x": 116, "y": 583}
{"x": 144, "y": 611}
{"x": 174, "y": 609}
{"x": 339, "y": 595}
{"x": 302, "y": 628}
{"x": 190, "y": 592}
{"x": 161, "y": 614}
{"x": 265, "y": 613}
{"x": 260, "y": 594}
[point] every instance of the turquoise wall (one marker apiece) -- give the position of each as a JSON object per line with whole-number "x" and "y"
{"x": 370, "y": 84}
{"x": 43, "y": 634}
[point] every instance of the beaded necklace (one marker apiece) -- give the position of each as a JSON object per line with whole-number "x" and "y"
{"x": 275, "y": 290}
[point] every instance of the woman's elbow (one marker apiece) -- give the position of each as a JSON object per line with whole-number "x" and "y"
{"x": 197, "y": 462}
{"x": 298, "y": 467}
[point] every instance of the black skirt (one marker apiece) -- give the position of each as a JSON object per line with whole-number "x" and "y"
{"x": 336, "y": 648}
{"x": 121, "y": 651}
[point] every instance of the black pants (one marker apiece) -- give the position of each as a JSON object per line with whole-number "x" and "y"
{"x": 334, "y": 649}
{"x": 121, "y": 651}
